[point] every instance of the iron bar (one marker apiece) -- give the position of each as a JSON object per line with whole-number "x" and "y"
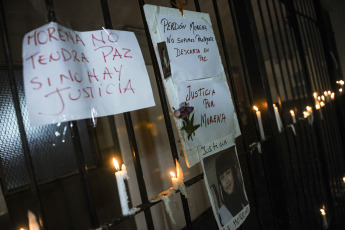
{"x": 165, "y": 109}
{"x": 131, "y": 135}
{"x": 314, "y": 173}
{"x": 334, "y": 128}
{"x": 146, "y": 206}
{"x": 77, "y": 146}
{"x": 314, "y": 66}
{"x": 228, "y": 67}
{"x": 304, "y": 41}
{"x": 269, "y": 52}
{"x": 83, "y": 170}
{"x": 232, "y": 86}
{"x": 331, "y": 127}
{"x": 329, "y": 137}
{"x": 20, "y": 122}
{"x": 291, "y": 54}
{"x": 275, "y": 45}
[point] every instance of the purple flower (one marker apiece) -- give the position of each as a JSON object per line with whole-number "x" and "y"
{"x": 184, "y": 104}
{"x": 189, "y": 109}
{"x": 184, "y": 114}
{"x": 177, "y": 113}
{"x": 184, "y": 111}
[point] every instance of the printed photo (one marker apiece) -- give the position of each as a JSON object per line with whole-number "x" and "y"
{"x": 226, "y": 189}
{"x": 165, "y": 62}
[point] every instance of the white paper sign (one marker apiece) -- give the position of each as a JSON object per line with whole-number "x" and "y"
{"x": 214, "y": 114}
{"x": 192, "y": 48}
{"x": 70, "y": 75}
{"x": 224, "y": 182}
{"x": 194, "y": 81}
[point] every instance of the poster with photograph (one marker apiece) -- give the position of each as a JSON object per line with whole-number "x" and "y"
{"x": 224, "y": 183}
{"x": 194, "y": 80}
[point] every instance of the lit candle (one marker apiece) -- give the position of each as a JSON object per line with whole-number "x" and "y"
{"x": 322, "y": 104}
{"x": 323, "y": 98}
{"x": 315, "y": 95}
{"x": 33, "y": 224}
{"x": 174, "y": 180}
{"x": 332, "y": 95}
{"x": 344, "y": 179}
{"x": 340, "y": 90}
{"x": 278, "y": 120}
{"x": 305, "y": 114}
{"x": 258, "y": 116}
{"x": 324, "y": 219}
{"x": 121, "y": 176}
{"x": 293, "y": 116}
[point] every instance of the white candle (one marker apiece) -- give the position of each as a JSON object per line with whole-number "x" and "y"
{"x": 174, "y": 180}
{"x": 293, "y": 116}
{"x": 121, "y": 176}
{"x": 315, "y": 95}
{"x": 33, "y": 224}
{"x": 311, "y": 116}
{"x": 278, "y": 120}
{"x": 324, "y": 219}
{"x": 258, "y": 116}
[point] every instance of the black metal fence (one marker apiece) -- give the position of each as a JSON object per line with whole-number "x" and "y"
{"x": 284, "y": 59}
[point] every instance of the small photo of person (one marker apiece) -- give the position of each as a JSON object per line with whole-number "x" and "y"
{"x": 225, "y": 183}
{"x": 165, "y": 62}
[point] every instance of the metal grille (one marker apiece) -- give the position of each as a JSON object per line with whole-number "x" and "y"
{"x": 283, "y": 58}
{"x": 11, "y": 152}
{"x": 50, "y": 145}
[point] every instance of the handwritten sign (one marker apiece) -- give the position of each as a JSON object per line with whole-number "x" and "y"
{"x": 192, "y": 48}
{"x": 214, "y": 114}
{"x": 70, "y": 75}
{"x": 197, "y": 88}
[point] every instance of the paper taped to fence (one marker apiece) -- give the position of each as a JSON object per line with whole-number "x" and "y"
{"x": 71, "y": 75}
{"x": 224, "y": 182}
{"x": 194, "y": 80}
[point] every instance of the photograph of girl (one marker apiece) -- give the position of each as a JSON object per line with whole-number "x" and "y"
{"x": 225, "y": 184}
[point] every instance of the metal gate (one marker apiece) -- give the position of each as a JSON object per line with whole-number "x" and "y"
{"x": 286, "y": 54}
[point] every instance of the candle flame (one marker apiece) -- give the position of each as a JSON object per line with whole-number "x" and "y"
{"x": 323, "y": 98}
{"x": 344, "y": 179}
{"x": 308, "y": 108}
{"x": 317, "y": 106}
{"x": 332, "y": 95}
{"x": 255, "y": 108}
{"x": 292, "y": 112}
{"x": 173, "y": 174}
{"x": 325, "y": 93}
{"x": 21, "y": 229}
{"x": 117, "y": 167}
{"x": 315, "y": 95}
{"x": 329, "y": 92}
{"x": 322, "y": 212}
{"x": 319, "y": 98}
{"x": 306, "y": 114}
{"x": 340, "y": 90}
{"x": 322, "y": 104}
